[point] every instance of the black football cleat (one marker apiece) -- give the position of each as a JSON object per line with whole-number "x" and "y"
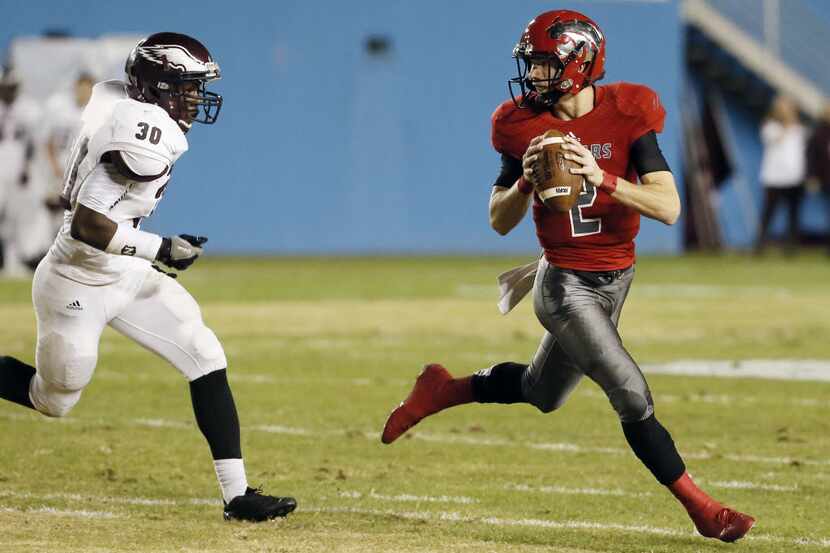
{"x": 255, "y": 506}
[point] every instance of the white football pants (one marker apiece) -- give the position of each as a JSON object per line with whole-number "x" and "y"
{"x": 145, "y": 305}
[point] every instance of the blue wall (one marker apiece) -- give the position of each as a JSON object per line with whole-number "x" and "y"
{"x": 321, "y": 148}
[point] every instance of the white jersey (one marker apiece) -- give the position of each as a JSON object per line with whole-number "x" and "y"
{"x": 18, "y": 123}
{"x": 64, "y": 125}
{"x": 113, "y": 121}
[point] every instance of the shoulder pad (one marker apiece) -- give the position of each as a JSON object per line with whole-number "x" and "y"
{"x": 642, "y": 103}
{"x": 140, "y": 165}
{"x": 141, "y": 129}
{"x": 504, "y": 131}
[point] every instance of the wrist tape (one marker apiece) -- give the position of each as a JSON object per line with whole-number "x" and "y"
{"x": 609, "y": 182}
{"x": 131, "y": 241}
{"x": 524, "y": 186}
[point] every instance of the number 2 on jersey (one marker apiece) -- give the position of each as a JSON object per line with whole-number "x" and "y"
{"x": 582, "y": 226}
{"x": 145, "y": 130}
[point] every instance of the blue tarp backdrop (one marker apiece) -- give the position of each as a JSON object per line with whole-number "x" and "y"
{"x": 324, "y": 147}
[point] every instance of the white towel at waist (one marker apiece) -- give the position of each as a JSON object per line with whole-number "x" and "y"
{"x": 515, "y": 284}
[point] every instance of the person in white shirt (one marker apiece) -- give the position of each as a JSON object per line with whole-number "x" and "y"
{"x": 63, "y": 111}
{"x": 23, "y": 242}
{"x": 100, "y": 270}
{"x": 783, "y": 168}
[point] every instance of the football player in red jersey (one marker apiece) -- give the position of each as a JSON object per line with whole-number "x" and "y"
{"x": 588, "y": 263}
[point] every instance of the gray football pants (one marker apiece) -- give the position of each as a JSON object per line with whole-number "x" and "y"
{"x": 580, "y": 311}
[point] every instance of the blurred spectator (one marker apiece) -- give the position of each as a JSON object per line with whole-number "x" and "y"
{"x": 818, "y": 162}
{"x": 18, "y": 119}
{"x": 63, "y": 122}
{"x": 783, "y": 168}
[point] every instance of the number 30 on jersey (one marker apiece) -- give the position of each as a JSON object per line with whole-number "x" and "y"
{"x": 145, "y": 132}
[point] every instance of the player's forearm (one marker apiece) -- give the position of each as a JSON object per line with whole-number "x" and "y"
{"x": 92, "y": 228}
{"x": 507, "y": 208}
{"x": 656, "y": 197}
{"x": 97, "y": 230}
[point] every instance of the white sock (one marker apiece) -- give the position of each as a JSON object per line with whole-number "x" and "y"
{"x": 232, "y": 479}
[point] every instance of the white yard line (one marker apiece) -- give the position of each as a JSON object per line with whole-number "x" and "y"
{"x": 779, "y": 369}
{"x": 561, "y": 447}
{"x": 558, "y": 524}
{"x": 118, "y": 500}
{"x": 739, "y": 485}
{"x": 408, "y": 498}
{"x": 774, "y": 369}
{"x": 562, "y": 490}
{"x": 60, "y": 512}
{"x": 416, "y": 515}
{"x": 732, "y": 484}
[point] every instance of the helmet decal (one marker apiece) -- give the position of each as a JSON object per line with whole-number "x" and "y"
{"x": 176, "y": 57}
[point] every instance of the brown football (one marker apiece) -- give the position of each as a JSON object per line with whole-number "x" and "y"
{"x": 557, "y": 187}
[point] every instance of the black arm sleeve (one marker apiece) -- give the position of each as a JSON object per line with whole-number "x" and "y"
{"x": 646, "y": 155}
{"x": 511, "y": 170}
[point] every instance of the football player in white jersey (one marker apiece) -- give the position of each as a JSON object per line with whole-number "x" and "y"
{"x": 100, "y": 270}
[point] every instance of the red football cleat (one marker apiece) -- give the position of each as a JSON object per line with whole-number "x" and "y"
{"x": 724, "y": 524}
{"x": 434, "y": 390}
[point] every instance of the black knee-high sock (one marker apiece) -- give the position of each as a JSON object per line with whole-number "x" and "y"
{"x": 653, "y": 445}
{"x": 15, "y": 377}
{"x": 216, "y": 414}
{"x": 500, "y": 383}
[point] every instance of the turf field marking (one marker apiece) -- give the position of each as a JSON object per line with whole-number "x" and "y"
{"x": 501, "y": 442}
{"x": 79, "y": 497}
{"x": 118, "y": 500}
{"x": 415, "y": 515}
{"x": 562, "y": 447}
{"x": 161, "y": 423}
{"x": 558, "y": 525}
{"x": 573, "y": 448}
{"x": 260, "y": 378}
{"x": 701, "y": 291}
{"x": 738, "y": 485}
{"x": 780, "y": 369}
{"x": 405, "y": 497}
{"x": 573, "y": 491}
{"x": 59, "y": 512}
{"x": 278, "y": 429}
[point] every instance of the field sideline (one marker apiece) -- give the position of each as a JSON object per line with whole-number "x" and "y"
{"x": 321, "y": 349}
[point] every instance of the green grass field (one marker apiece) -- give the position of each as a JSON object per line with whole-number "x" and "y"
{"x": 322, "y": 349}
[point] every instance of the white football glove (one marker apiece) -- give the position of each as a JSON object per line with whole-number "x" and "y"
{"x": 180, "y": 251}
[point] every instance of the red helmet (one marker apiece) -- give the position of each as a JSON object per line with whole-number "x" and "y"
{"x": 171, "y": 71}
{"x": 569, "y": 42}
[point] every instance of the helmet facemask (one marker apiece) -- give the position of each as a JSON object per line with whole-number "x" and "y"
{"x": 185, "y": 104}
{"x": 529, "y": 87}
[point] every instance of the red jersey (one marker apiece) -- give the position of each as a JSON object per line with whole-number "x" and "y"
{"x": 598, "y": 233}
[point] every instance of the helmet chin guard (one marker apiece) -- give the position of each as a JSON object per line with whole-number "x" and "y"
{"x": 172, "y": 70}
{"x": 565, "y": 40}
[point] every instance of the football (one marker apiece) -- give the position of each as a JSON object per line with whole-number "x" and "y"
{"x": 557, "y": 187}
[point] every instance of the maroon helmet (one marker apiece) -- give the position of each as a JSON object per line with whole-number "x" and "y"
{"x": 171, "y": 70}
{"x": 571, "y": 43}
